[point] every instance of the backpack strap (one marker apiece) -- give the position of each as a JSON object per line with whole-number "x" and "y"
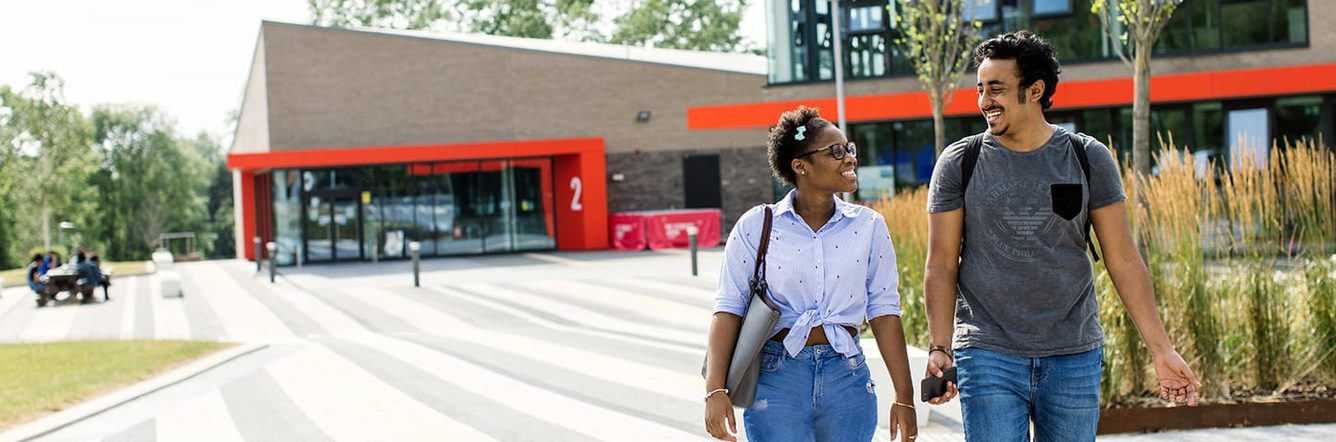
{"x": 967, "y": 162}
{"x": 1078, "y": 145}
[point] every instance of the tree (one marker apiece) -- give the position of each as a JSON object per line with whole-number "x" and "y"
{"x": 515, "y": 18}
{"x": 1135, "y": 25}
{"x": 938, "y": 42}
{"x": 51, "y": 164}
{"x": 682, "y": 24}
{"x": 152, "y": 182}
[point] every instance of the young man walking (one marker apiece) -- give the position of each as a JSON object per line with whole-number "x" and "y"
{"x": 1010, "y": 215}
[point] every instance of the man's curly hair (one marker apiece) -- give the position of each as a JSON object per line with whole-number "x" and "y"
{"x": 1034, "y": 60}
{"x": 782, "y": 146}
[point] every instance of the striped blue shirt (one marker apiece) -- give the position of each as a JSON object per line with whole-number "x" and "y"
{"x": 842, "y": 274}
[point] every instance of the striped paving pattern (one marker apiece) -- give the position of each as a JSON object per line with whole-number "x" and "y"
{"x": 580, "y": 354}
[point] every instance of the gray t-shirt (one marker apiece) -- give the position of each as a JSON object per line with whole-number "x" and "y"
{"x": 1025, "y": 281}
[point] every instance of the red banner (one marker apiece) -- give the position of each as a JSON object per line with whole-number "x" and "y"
{"x": 628, "y": 231}
{"x": 669, "y": 229}
{"x": 664, "y": 229}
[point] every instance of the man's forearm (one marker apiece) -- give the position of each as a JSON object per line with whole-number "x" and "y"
{"x": 1132, "y": 281}
{"x": 940, "y": 302}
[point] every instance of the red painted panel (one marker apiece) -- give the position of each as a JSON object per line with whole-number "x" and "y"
{"x": 358, "y": 156}
{"x": 1195, "y": 86}
{"x": 247, "y": 213}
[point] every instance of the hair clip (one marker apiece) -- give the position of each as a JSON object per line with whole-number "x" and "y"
{"x": 800, "y": 135}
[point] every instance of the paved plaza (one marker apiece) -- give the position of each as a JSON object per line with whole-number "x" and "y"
{"x": 543, "y": 347}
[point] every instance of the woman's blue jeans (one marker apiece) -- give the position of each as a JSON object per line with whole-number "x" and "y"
{"x": 1001, "y": 394}
{"x": 820, "y": 395}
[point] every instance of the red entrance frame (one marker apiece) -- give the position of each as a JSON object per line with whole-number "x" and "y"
{"x": 578, "y": 164}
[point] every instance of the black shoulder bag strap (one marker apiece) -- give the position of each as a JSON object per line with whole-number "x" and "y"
{"x": 967, "y": 162}
{"x": 1078, "y": 144}
{"x": 757, "y": 284}
{"x": 971, "y": 158}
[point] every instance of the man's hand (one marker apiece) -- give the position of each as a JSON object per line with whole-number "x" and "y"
{"x": 719, "y": 420}
{"x": 938, "y": 361}
{"x": 1177, "y": 382}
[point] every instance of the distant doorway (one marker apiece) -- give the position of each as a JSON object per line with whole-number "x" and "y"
{"x": 700, "y": 182}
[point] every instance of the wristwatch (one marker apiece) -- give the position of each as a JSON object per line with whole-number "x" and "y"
{"x": 942, "y": 348}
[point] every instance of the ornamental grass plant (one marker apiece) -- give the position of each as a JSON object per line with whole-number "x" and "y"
{"x": 1242, "y": 256}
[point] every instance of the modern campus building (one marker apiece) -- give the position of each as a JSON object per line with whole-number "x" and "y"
{"x": 353, "y": 142}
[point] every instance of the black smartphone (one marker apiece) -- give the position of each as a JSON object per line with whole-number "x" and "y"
{"x": 933, "y": 387}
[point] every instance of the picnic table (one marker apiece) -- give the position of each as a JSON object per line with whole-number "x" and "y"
{"x": 67, "y": 279}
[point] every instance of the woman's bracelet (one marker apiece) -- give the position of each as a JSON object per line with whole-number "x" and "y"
{"x": 717, "y": 390}
{"x": 902, "y": 404}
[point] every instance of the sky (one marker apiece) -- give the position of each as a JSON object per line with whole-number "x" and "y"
{"x": 189, "y": 58}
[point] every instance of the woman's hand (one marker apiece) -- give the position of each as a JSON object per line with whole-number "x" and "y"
{"x": 719, "y": 420}
{"x": 904, "y": 422}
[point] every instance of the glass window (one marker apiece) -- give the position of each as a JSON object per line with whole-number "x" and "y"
{"x": 867, "y": 55}
{"x": 1298, "y": 117}
{"x": 1052, "y": 7}
{"x": 1263, "y": 22}
{"x": 914, "y": 152}
{"x": 866, "y": 18}
{"x": 286, "y": 192}
{"x": 824, "y": 42}
{"x": 1195, "y": 26}
{"x": 1208, "y": 144}
{"x": 1248, "y": 135}
{"x": 785, "y": 41}
{"x": 876, "y": 177}
{"x": 982, "y": 10}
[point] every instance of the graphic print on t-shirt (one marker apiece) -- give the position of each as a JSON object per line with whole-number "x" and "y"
{"x": 1024, "y": 212}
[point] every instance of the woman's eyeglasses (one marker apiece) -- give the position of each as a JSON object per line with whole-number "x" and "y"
{"x": 837, "y": 150}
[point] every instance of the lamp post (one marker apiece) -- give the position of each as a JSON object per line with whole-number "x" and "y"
{"x": 64, "y": 225}
{"x": 273, "y": 259}
{"x": 836, "y": 16}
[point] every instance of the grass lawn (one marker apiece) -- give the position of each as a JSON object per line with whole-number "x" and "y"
{"x": 16, "y": 278}
{"x": 37, "y": 379}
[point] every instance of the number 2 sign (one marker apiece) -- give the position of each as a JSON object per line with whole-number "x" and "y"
{"x": 577, "y": 186}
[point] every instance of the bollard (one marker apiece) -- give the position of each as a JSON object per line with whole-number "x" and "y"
{"x": 691, "y": 236}
{"x": 273, "y": 259}
{"x": 256, "y": 240}
{"x": 375, "y": 249}
{"x": 299, "y": 255}
{"x": 413, "y": 248}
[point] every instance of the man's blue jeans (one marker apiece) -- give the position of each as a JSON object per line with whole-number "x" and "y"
{"x": 820, "y": 395}
{"x": 1001, "y": 394}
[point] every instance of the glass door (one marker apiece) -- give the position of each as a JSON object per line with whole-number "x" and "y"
{"x": 319, "y": 234}
{"x": 346, "y": 228}
{"x": 495, "y": 198}
{"x": 333, "y": 227}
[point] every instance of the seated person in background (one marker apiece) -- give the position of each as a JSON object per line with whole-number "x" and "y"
{"x": 35, "y": 272}
{"x": 106, "y": 279}
{"x": 89, "y": 273}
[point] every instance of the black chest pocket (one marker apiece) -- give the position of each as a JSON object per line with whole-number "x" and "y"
{"x": 1066, "y": 200}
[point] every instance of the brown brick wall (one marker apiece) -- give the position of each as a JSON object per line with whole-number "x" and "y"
{"x": 653, "y": 180}
{"x": 333, "y": 88}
